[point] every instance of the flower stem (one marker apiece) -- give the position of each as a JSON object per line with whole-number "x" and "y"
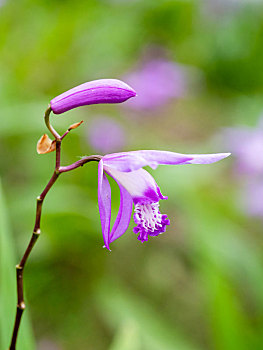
{"x": 81, "y": 162}
{"x": 36, "y": 231}
{"x": 20, "y": 267}
{"x": 49, "y": 126}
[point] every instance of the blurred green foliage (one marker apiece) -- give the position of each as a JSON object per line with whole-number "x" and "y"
{"x": 198, "y": 286}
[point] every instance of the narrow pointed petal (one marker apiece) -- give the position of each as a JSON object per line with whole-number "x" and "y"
{"x": 134, "y": 160}
{"x": 139, "y": 183}
{"x": 104, "y": 201}
{"x": 206, "y": 158}
{"x": 92, "y": 92}
{"x": 124, "y": 215}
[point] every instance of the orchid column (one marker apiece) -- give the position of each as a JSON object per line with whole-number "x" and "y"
{"x": 136, "y": 185}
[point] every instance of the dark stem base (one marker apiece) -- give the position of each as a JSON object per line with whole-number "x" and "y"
{"x": 36, "y": 231}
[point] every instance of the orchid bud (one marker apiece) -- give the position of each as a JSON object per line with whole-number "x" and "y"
{"x": 92, "y": 92}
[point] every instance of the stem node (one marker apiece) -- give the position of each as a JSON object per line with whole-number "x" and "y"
{"x": 21, "y": 306}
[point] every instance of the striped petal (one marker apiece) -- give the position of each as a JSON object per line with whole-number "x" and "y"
{"x": 134, "y": 160}
{"x": 139, "y": 184}
{"x": 124, "y": 215}
{"x": 104, "y": 201}
{"x": 206, "y": 158}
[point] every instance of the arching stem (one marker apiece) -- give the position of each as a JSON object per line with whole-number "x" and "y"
{"x": 49, "y": 126}
{"x": 20, "y": 267}
{"x": 36, "y": 231}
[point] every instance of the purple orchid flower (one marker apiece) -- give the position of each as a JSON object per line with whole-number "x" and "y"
{"x": 92, "y": 92}
{"x": 219, "y": 8}
{"x": 106, "y": 135}
{"x": 139, "y": 187}
{"x": 246, "y": 143}
{"x": 251, "y": 197}
{"x": 157, "y": 82}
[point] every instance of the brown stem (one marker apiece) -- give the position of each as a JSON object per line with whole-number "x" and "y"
{"x": 49, "y": 126}
{"x": 78, "y": 163}
{"x": 20, "y": 267}
{"x": 58, "y": 154}
{"x": 36, "y": 231}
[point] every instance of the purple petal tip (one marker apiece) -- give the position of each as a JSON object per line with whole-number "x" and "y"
{"x": 107, "y": 247}
{"x": 93, "y": 92}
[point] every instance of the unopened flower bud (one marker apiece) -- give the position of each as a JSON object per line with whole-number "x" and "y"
{"x": 93, "y": 92}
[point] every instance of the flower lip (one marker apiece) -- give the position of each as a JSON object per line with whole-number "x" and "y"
{"x": 149, "y": 220}
{"x": 93, "y": 92}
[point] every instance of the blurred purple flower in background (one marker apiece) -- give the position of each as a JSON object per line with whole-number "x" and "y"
{"x": 139, "y": 187}
{"x": 221, "y": 7}
{"x": 158, "y": 81}
{"x": 252, "y": 197}
{"x": 246, "y": 143}
{"x": 106, "y": 135}
{"x": 46, "y": 344}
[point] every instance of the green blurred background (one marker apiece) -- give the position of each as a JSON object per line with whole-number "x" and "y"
{"x": 199, "y": 285}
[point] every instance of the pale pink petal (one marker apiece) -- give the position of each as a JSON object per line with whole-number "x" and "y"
{"x": 104, "y": 201}
{"x": 206, "y": 158}
{"x": 134, "y": 160}
{"x": 139, "y": 183}
{"x": 124, "y": 215}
